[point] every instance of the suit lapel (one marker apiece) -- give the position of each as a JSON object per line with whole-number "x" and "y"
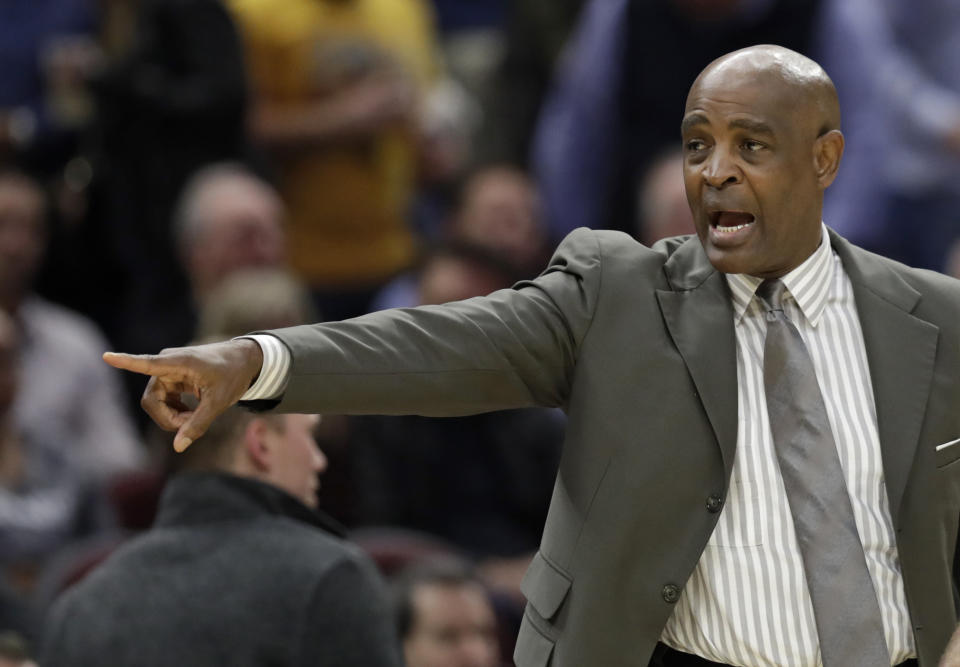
{"x": 699, "y": 316}
{"x": 901, "y": 350}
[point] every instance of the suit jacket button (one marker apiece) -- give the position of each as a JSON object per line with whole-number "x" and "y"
{"x": 670, "y": 593}
{"x": 714, "y": 503}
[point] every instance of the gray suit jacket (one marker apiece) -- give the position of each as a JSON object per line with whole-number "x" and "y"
{"x": 637, "y": 345}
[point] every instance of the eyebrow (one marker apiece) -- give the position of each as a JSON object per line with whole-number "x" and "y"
{"x": 691, "y": 122}
{"x": 755, "y": 126}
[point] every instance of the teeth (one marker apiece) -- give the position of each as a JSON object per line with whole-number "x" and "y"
{"x": 734, "y": 228}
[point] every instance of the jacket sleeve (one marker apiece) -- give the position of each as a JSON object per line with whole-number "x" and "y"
{"x": 514, "y": 348}
{"x": 348, "y": 620}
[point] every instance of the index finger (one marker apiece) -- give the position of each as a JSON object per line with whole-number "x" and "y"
{"x": 148, "y": 364}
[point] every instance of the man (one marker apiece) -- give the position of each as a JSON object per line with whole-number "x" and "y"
{"x": 671, "y": 515}
{"x": 444, "y": 618}
{"x": 335, "y": 91}
{"x": 227, "y": 219}
{"x": 58, "y": 351}
{"x": 238, "y": 570}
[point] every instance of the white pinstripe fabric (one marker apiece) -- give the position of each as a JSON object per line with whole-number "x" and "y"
{"x": 747, "y": 601}
{"x": 274, "y": 373}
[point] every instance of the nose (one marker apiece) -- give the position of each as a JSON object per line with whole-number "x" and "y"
{"x": 319, "y": 460}
{"x": 719, "y": 170}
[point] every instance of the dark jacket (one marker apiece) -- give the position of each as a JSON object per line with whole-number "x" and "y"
{"x": 235, "y": 572}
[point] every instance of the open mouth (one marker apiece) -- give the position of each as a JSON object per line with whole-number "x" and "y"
{"x": 729, "y": 222}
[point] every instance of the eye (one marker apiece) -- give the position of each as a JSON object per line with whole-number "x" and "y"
{"x": 752, "y": 146}
{"x": 695, "y": 145}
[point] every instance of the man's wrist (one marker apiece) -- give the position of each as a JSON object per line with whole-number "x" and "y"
{"x": 269, "y": 366}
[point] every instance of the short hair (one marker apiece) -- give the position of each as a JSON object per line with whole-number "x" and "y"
{"x": 215, "y": 448}
{"x": 187, "y": 215}
{"x": 253, "y": 300}
{"x": 447, "y": 572}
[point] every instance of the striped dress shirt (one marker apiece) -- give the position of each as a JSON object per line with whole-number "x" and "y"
{"x": 747, "y": 602}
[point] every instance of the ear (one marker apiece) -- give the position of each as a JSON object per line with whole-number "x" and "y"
{"x": 827, "y": 151}
{"x": 257, "y": 446}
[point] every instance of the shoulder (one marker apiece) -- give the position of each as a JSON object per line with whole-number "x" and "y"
{"x": 932, "y": 296}
{"x": 62, "y": 328}
{"x": 593, "y": 245}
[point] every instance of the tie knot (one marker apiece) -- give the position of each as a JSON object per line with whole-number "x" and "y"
{"x": 771, "y": 294}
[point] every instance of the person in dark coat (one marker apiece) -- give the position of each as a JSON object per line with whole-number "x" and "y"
{"x": 239, "y": 569}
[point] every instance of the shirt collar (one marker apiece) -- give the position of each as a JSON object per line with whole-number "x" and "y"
{"x": 808, "y": 284}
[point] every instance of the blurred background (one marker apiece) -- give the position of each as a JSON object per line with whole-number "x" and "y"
{"x": 177, "y": 170}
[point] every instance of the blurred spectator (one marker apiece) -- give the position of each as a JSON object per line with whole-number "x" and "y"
{"x": 239, "y": 568}
{"x": 472, "y": 38}
{"x": 501, "y": 211}
{"x": 457, "y": 272}
{"x": 47, "y": 47}
{"x": 619, "y": 96}
{"x": 227, "y": 219}
{"x": 535, "y": 34}
{"x": 444, "y": 617}
{"x": 662, "y": 206}
{"x": 481, "y": 482}
{"x": 895, "y": 65}
{"x": 176, "y": 101}
{"x": 498, "y": 210}
{"x": 68, "y": 400}
{"x": 254, "y": 300}
{"x": 14, "y": 651}
{"x": 337, "y": 85}
{"x": 44, "y": 501}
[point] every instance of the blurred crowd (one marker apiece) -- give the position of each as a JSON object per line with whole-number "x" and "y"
{"x": 192, "y": 170}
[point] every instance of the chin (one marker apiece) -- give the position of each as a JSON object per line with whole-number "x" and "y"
{"x": 725, "y": 261}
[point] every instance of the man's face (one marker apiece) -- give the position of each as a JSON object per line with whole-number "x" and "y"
{"x": 750, "y": 173}
{"x": 501, "y": 211}
{"x": 21, "y": 236}
{"x": 453, "y": 626}
{"x": 243, "y": 230}
{"x": 298, "y": 460}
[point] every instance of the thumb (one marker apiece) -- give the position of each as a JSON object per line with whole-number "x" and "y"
{"x": 197, "y": 423}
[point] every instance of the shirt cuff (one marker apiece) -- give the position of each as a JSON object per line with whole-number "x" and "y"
{"x": 275, "y": 372}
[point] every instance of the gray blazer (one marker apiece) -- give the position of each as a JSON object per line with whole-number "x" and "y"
{"x": 637, "y": 345}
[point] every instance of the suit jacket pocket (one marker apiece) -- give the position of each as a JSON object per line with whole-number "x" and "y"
{"x": 534, "y": 649}
{"x": 948, "y": 453}
{"x": 546, "y": 586}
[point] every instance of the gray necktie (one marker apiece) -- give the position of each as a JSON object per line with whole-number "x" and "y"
{"x": 844, "y": 601}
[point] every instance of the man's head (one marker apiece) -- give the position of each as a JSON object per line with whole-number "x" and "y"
{"x": 444, "y": 618}
{"x": 662, "y": 201}
{"x": 499, "y": 209}
{"x": 459, "y": 271}
{"x": 23, "y": 235}
{"x": 761, "y": 142}
{"x": 254, "y": 300}
{"x": 276, "y": 449}
{"x": 228, "y": 219}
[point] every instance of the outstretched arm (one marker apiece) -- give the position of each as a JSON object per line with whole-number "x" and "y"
{"x": 514, "y": 348}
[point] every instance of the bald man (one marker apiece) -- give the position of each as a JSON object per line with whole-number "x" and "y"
{"x": 669, "y": 539}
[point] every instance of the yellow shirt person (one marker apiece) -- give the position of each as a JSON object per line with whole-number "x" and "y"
{"x": 336, "y": 83}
